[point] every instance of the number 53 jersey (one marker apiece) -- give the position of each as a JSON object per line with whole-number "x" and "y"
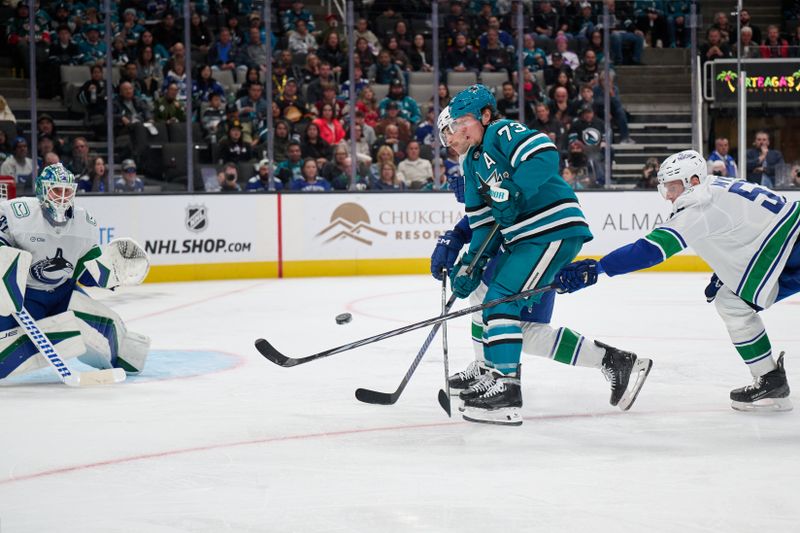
{"x": 743, "y": 231}
{"x": 59, "y": 252}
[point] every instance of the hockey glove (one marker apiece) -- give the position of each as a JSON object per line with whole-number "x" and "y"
{"x": 577, "y": 276}
{"x": 446, "y": 252}
{"x": 456, "y": 183}
{"x": 506, "y": 202}
{"x": 463, "y": 283}
{"x": 713, "y": 288}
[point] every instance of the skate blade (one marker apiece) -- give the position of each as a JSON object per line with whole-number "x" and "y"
{"x": 509, "y": 416}
{"x": 455, "y": 392}
{"x": 764, "y": 405}
{"x": 641, "y": 369}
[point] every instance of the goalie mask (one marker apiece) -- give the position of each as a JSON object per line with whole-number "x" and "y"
{"x": 55, "y": 189}
{"x": 682, "y": 167}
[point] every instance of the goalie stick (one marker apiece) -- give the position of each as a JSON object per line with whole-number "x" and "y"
{"x": 46, "y": 349}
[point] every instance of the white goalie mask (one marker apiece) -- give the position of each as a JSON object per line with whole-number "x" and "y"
{"x": 682, "y": 167}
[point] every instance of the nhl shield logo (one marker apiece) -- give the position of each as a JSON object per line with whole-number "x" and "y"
{"x": 196, "y": 218}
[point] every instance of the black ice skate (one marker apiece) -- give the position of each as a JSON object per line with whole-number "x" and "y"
{"x": 500, "y": 404}
{"x": 619, "y": 367}
{"x": 769, "y": 392}
{"x": 461, "y": 381}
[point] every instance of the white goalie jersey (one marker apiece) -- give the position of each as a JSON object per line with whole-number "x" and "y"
{"x": 59, "y": 252}
{"x": 743, "y": 231}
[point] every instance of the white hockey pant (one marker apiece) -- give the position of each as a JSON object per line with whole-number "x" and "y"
{"x": 746, "y": 330}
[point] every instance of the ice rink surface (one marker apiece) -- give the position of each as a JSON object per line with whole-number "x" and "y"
{"x": 213, "y": 437}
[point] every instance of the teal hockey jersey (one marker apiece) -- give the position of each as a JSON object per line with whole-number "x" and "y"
{"x": 511, "y": 151}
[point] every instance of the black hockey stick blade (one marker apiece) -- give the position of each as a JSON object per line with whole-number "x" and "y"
{"x": 375, "y": 397}
{"x": 444, "y": 401}
{"x": 269, "y": 351}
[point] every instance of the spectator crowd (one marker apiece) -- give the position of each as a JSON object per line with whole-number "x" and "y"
{"x": 562, "y": 78}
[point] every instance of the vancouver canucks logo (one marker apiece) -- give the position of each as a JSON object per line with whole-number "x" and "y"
{"x": 52, "y": 271}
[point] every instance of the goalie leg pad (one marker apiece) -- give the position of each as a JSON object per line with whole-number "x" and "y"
{"x": 135, "y": 348}
{"x": 14, "y": 267}
{"x": 17, "y": 352}
{"x": 108, "y": 341}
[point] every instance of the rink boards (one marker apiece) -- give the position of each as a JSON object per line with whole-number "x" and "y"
{"x": 199, "y": 237}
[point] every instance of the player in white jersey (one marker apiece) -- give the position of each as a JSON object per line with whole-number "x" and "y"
{"x": 749, "y": 237}
{"x": 60, "y": 243}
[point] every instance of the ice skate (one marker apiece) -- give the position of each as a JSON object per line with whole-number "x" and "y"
{"x": 461, "y": 381}
{"x": 500, "y": 404}
{"x": 619, "y": 367}
{"x": 769, "y": 392}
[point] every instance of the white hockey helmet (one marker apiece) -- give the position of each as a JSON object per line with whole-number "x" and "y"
{"x": 682, "y": 166}
{"x": 444, "y": 124}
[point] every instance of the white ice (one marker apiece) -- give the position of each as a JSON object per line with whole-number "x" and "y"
{"x": 255, "y": 447}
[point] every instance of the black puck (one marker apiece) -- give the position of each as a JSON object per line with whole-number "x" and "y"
{"x": 344, "y": 318}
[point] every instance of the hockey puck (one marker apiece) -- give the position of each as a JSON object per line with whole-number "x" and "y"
{"x": 344, "y": 318}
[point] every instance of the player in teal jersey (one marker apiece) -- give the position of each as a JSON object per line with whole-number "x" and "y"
{"x": 511, "y": 179}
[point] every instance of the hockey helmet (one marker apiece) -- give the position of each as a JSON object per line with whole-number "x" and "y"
{"x": 444, "y": 124}
{"x": 472, "y": 100}
{"x": 682, "y": 167}
{"x": 55, "y": 188}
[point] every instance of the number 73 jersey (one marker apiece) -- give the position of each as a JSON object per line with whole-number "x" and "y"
{"x": 743, "y": 231}
{"x": 59, "y": 252}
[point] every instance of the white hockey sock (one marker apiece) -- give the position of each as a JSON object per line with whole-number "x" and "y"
{"x": 747, "y": 332}
{"x": 560, "y": 344}
{"x": 476, "y": 298}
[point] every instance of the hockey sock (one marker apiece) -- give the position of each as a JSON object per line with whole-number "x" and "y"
{"x": 503, "y": 338}
{"x": 757, "y": 354}
{"x": 746, "y": 330}
{"x": 478, "y": 333}
{"x": 572, "y": 348}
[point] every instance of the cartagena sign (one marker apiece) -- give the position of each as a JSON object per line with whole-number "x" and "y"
{"x": 773, "y": 81}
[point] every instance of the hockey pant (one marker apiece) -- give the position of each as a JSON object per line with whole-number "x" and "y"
{"x": 78, "y": 327}
{"x": 498, "y": 333}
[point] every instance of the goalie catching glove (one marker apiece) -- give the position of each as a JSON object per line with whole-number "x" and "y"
{"x": 122, "y": 263}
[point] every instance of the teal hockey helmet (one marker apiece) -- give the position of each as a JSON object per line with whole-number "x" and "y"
{"x": 472, "y": 100}
{"x": 55, "y": 189}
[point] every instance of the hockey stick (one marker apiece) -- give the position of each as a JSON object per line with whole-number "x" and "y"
{"x": 444, "y": 394}
{"x": 269, "y": 351}
{"x": 45, "y": 347}
{"x": 366, "y": 395}
{"x": 386, "y": 398}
